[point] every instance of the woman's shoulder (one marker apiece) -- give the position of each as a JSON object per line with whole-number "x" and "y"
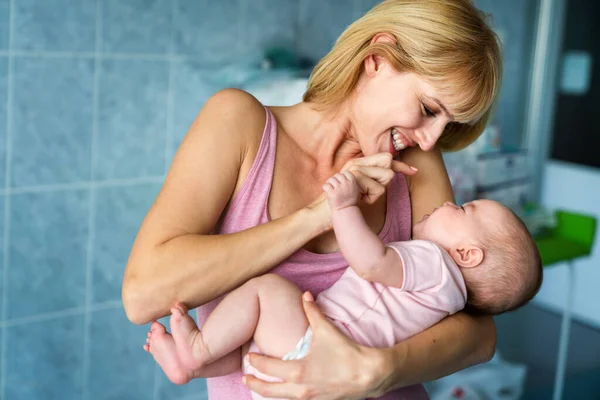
{"x": 237, "y": 110}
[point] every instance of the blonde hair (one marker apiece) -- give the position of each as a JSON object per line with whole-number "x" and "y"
{"x": 448, "y": 42}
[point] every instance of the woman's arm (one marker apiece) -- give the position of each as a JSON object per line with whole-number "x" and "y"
{"x": 458, "y": 341}
{"x": 174, "y": 257}
{"x": 455, "y": 343}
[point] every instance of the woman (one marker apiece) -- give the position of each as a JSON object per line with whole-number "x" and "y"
{"x": 243, "y": 195}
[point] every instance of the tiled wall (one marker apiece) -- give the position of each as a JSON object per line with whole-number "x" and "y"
{"x": 95, "y": 96}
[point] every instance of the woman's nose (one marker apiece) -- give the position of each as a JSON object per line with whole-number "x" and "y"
{"x": 431, "y": 135}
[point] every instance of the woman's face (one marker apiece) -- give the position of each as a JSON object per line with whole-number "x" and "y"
{"x": 394, "y": 110}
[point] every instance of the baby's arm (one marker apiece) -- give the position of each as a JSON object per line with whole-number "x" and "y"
{"x": 363, "y": 249}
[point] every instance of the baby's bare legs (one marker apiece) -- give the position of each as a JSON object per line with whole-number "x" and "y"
{"x": 267, "y": 308}
{"x": 161, "y": 345}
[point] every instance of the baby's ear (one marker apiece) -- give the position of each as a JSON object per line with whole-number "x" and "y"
{"x": 467, "y": 256}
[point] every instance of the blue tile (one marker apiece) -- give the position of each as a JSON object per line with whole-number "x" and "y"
{"x": 119, "y": 367}
{"x": 2, "y": 288}
{"x": 113, "y": 241}
{"x": 209, "y": 30}
{"x": 52, "y": 124}
{"x": 3, "y": 110}
{"x": 192, "y": 86}
{"x": 510, "y": 111}
{"x": 60, "y": 25}
{"x": 136, "y": 26}
{"x": 4, "y": 16}
{"x": 48, "y": 240}
{"x": 268, "y": 23}
{"x": 515, "y": 21}
{"x": 195, "y": 389}
{"x": 365, "y": 5}
{"x": 44, "y": 359}
{"x": 132, "y": 125}
{"x": 321, "y": 23}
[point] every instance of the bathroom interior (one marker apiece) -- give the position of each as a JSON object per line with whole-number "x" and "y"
{"x": 96, "y": 96}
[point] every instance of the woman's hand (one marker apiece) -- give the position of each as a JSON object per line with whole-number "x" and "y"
{"x": 334, "y": 368}
{"x": 373, "y": 173}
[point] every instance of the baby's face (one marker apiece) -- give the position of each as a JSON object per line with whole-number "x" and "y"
{"x": 452, "y": 225}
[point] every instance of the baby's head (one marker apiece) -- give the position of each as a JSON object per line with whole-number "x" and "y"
{"x": 496, "y": 254}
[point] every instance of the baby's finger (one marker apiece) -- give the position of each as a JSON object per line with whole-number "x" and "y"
{"x": 370, "y": 189}
{"x": 348, "y": 175}
{"x": 339, "y": 178}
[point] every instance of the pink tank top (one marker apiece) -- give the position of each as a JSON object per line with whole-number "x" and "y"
{"x": 310, "y": 271}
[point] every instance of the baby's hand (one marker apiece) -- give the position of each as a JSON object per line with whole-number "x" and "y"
{"x": 342, "y": 190}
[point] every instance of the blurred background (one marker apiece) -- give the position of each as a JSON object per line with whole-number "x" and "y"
{"x": 96, "y": 95}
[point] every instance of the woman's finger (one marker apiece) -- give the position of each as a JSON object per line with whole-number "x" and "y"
{"x": 399, "y": 166}
{"x": 314, "y": 316}
{"x": 278, "y": 390}
{"x": 288, "y": 371}
{"x": 379, "y": 174}
{"x": 382, "y": 160}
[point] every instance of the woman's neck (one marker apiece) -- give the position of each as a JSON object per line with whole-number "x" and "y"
{"x": 327, "y": 137}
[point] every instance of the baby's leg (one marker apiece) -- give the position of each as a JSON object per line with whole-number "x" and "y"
{"x": 162, "y": 347}
{"x": 267, "y": 308}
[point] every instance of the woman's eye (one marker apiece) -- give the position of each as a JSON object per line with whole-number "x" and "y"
{"x": 427, "y": 111}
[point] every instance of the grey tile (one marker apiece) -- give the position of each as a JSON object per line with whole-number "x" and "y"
{"x": 132, "y": 119}
{"x": 3, "y": 114}
{"x": 4, "y": 18}
{"x": 52, "y": 124}
{"x": 136, "y": 26}
{"x": 268, "y": 23}
{"x": 119, "y": 367}
{"x": 192, "y": 85}
{"x": 60, "y": 25}
{"x": 321, "y": 23}
{"x": 47, "y": 248}
{"x": 209, "y": 30}
{"x": 119, "y": 214}
{"x": 44, "y": 359}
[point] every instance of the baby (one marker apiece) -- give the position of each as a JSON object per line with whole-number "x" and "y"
{"x": 479, "y": 255}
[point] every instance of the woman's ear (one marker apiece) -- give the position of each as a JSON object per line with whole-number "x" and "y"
{"x": 373, "y": 62}
{"x": 384, "y": 37}
{"x": 467, "y": 256}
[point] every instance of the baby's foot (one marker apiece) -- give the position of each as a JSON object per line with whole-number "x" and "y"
{"x": 188, "y": 339}
{"x": 162, "y": 347}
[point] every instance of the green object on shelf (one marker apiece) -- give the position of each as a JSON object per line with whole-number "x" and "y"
{"x": 572, "y": 237}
